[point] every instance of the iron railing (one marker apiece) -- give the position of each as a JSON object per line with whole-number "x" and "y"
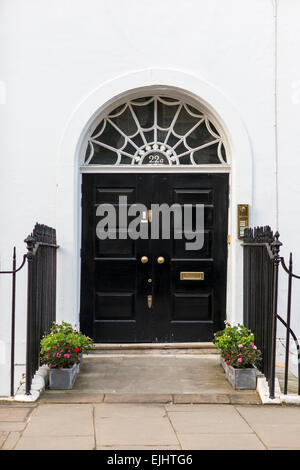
{"x": 41, "y": 297}
{"x": 41, "y": 293}
{"x": 262, "y": 262}
{"x": 13, "y": 273}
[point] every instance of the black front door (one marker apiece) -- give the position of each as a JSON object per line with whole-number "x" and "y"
{"x": 124, "y": 299}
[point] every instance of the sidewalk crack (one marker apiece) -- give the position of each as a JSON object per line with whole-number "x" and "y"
{"x": 258, "y": 437}
{"x": 94, "y": 428}
{"x": 172, "y": 426}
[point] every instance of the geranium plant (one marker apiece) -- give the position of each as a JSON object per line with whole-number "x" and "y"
{"x": 63, "y": 346}
{"x": 237, "y": 347}
{"x": 72, "y": 336}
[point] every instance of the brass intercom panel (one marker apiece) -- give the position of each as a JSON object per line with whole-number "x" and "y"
{"x": 243, "y": 219}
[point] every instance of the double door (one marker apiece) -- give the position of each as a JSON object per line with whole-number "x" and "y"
{"x": 153, "y": 289}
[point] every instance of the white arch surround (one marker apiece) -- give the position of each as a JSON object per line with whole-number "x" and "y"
{"x": 69, "y": 177}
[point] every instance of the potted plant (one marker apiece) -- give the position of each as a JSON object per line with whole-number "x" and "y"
{"x": 62, "y": 350}
{"x": 239, "y": 356}
{"x": 75, "y": 338}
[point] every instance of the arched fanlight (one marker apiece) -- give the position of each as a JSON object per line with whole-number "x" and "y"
{"x": 155, "y": 130}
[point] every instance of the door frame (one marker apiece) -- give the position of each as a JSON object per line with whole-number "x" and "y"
{"x": 161, "y": 169}
{"x": 165, "y": 169}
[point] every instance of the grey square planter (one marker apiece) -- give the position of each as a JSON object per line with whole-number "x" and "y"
{"x": 240, "y": 379}
{"x": 62, "y": 379}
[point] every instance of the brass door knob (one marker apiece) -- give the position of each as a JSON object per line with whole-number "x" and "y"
{"x": 144, "y": 259}
{"x": 160, "y": 260}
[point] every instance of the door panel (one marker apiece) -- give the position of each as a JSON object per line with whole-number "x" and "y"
{"x": 115, "y": 284}
{"x": 112, "y": 291}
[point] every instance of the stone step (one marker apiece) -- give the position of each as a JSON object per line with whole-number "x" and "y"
{"x": 244, "y": 397}
{"x": 164, "y": 378}
{"x": 154, "y": 348}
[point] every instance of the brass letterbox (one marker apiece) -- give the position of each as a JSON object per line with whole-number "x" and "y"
{"x": 192, "y": 276}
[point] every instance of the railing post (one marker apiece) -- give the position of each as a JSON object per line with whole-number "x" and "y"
{"x": 30, "y": 241}
{"x": 276, "y": 244}
{"x": 288, "y": 322}
{"x": 13, "y": 321}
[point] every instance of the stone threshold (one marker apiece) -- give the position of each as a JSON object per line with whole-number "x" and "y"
{"x": 155, "y": 348}
{"x": 205, "y": 345}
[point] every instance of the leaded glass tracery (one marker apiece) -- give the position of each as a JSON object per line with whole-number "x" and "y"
{"x": 155, "y": 130}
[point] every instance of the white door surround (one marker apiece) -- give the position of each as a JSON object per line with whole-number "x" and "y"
{"x": 69, "y": 176}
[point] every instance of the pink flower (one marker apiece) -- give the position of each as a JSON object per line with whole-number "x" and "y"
{"x": 67, "y": 356}
{"x": 254, "y": 347}
{"x": 58, "y": 355}
{"x": 252, "y": 344}
{"x": 240, "y": 359}
{"x": 240, "y": 345}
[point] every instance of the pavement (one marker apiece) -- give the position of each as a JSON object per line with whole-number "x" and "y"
{"x": 149, "y": 401}
{"x": 108, "y": 426}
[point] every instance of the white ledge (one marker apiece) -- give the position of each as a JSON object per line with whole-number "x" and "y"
{"x": 264, "y": 393}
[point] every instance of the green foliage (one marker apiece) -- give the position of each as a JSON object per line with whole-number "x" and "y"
{"x": 63, "y": 346}
{"x": 236, "y": 345}
{"x": 72, "y": 336}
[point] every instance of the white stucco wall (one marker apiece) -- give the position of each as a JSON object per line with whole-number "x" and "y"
{"x": 288, "y": 154}
{"x": 57, "y": 57}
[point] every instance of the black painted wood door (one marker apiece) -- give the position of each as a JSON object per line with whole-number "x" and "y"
{"x": 116, "y": 285}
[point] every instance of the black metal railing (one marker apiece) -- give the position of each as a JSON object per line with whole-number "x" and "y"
{"x": 262, "y": 262}
{"x": 41, "y": 296}
{"x": 41, "y": 293}
{"x": 13, "y": 273}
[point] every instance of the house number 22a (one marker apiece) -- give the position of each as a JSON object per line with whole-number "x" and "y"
{"x": 155, "y": 159}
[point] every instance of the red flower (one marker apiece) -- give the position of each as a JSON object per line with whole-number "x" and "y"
{"x": 77, "y": 349}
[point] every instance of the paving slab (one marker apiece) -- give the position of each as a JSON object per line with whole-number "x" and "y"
{"x": 107, "y": 410}
{"x": 12, "y": 414}
{"x": 60, "y": 421}
{"x": 190, "y": 407}
{"x": 167, "y": 448}
{"x": 209, "y": 419}
{"x": 10, "y": 426}
{"x": 277, "y": 426}
{"x": 11, "y": 441}
{"x": 3, "y": 437}
{"x": 134, "y": 431}
{"x": 56, "y": 443}
{"x": 220, "y": 441}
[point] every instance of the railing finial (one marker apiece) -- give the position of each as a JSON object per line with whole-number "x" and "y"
{"x": 276, "y": 244}
{"x": 30, "y": 242}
